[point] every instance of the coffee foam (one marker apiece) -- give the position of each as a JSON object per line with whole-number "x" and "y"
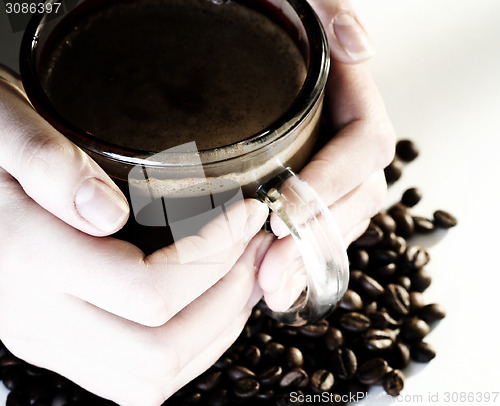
{"x": 265, "y": 163}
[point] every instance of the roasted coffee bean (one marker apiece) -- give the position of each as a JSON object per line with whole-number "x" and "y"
{"x": 219, "y": 397}
{"x": 407, "y": 150}
{"x": 385, "y": 271}
{"x": 416, "y": 257}
{"x": 8, "y": 360}
{"x": 423, "y": 225}
{"x": 370, "y": 286}
{"x": 405, "y": 282}
{"x": 387, "y": 242}
{"x": 13, "y": 377}
{"x": 251, "y": 356}
{"x": 398, "y": 244}
{"x": 237, "y": 372}
{"x": 78, "y": 394}
{"x": 271, "y": 375}
{"x": 234, "y": 352}
{"x": 411, "y": 197}
{"x": 246, "y": 388}
{"x": 397, "y": 299}
{"x": 394, "y": 382}
{"x": 431, "y": 312}
{"x": 256, "y": 315}
{"x": 383, "y": 257}
{"x": 443, "y": 219}
{"x": 370, "y": 307}
{"x": 315, "y": 330}
{"x": 359, "y": 259}
{"x": 294, "y": 357}
{"x": 17, "y": 398}
{"x": 351, "y": 301}
{"x": 355, "y": 276}
{"x": 333, "y": 338}
{"x": 399, "y": 356}
{"x": 372, "y": 235}
{"x": 289, "y": 333}
{"x": 420, "y": 280}
{"x": 32, "y": 370}
{"x": 381, "y": 320}
{"x": 416, "y": 301}
{"x": 223, "y": 362}
{"x": 397, "y": 207}
{"x": 322, "y": 381}
{"x": 209, "y": 380}
{"x": 38, "y": 390}
{"x": 376, "y": 340}
{"x": 274, "y": 351}
{"x": 393, "y": 171}
{"x": 263, "y": 338}
{"x": 295, "y": 378}
{"x": 405, "y": 225}
{"x": 385, "y": 222}
{"x": 414, "y": 329}
{"x": 265, "y": 395}
{"x": 60, "y": 383}
{"x": 355, "y": 322}
{"x": 422, "y": 352}
{"x": 193, "y": 399}
{"x": 247, "y": 332}
{"x": 344, "y": 363}
{"x": 372, "y": 371}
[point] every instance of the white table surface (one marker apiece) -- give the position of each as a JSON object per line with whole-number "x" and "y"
{"x": 438, "y": 68}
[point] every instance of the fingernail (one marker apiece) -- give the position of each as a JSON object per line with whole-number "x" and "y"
{"x": 351, "y": 37}
{"x": 100, "y": 205}
{"x": 257, "y": 213}
{"x": 279, "y": 227}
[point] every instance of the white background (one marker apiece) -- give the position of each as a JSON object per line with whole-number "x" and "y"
{"x": 438, "y": 68}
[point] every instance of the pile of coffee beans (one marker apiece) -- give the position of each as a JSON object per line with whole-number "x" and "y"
{"x": 379, "y": 327}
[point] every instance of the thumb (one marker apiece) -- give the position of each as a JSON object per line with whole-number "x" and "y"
{"x": 53, "y": 171}
{"x": 348, "y": 40}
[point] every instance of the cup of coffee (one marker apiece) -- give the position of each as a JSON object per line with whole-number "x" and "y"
{"x": 179, "y": 98}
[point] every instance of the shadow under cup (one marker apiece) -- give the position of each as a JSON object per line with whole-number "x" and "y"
{"x": 239, "y": 167}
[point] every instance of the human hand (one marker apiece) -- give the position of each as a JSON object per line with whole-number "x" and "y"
{"x": 348, "y": 171}
{"x": 129, "y": 328}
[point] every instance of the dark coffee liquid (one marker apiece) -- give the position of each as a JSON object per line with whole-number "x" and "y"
{"x": 150, "y": 74}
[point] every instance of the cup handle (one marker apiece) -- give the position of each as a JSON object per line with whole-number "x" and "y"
{"x": 320, "y": 243}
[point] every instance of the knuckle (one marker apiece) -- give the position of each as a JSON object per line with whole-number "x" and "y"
{"x": 152, "y": 307}
{"x": 39, "y": 153}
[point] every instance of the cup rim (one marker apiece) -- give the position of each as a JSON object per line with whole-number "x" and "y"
{"x": 309, "y": 94}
